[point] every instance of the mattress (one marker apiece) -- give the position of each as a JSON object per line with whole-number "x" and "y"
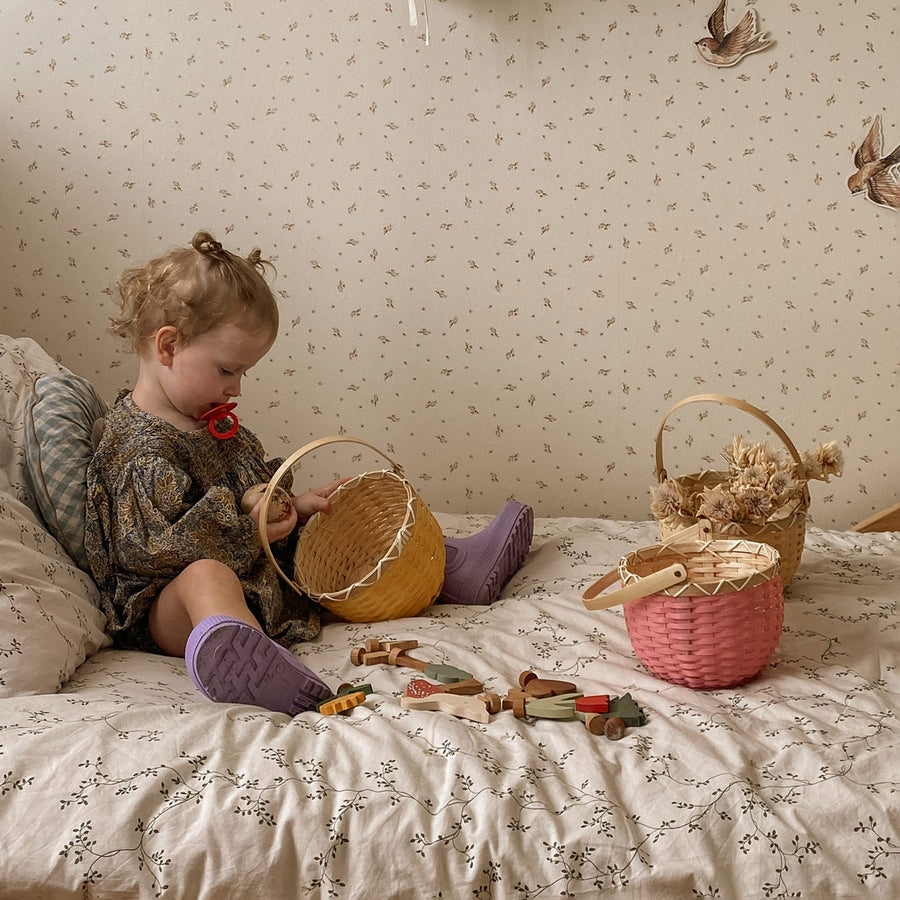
{"x": 127, "y": 782}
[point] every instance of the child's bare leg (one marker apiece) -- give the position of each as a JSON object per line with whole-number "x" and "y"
{"x": 202, "y": 615}
{"x": 205, "y": 588}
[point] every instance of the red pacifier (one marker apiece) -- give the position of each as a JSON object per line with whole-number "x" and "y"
{"x": 224, "y": 415}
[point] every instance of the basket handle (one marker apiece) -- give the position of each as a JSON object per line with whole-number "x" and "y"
{"x": 742, "y": 405}
{"x": 282, "y": 471}
{"x": 701, "y": 530}
{"x": 635, "y": 590}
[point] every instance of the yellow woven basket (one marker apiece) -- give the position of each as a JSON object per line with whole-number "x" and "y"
{"x": 378, "y": 555}
{"x": 785, "y": 531}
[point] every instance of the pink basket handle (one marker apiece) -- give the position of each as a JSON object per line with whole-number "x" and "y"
{"x": 635, "y": 590}
{"x": 742, "y": 405}
{"x": 282, "y": 471}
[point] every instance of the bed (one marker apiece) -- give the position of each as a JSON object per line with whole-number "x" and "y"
{"x": 118, "y": 779}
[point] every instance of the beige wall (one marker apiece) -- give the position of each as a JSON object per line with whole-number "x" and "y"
{"x": 501, "y": 256}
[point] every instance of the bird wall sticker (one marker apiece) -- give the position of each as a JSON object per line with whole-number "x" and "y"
{"x": 725, "y": 48}
{"x": 878, "y": 176}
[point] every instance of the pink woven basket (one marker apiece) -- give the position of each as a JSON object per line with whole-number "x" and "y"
{"x": 702, "y": 613}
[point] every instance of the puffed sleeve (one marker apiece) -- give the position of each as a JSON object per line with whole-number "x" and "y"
{"x": 162, "y": 523}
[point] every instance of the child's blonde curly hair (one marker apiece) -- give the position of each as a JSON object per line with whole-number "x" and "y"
{"x": 195, "y": 289}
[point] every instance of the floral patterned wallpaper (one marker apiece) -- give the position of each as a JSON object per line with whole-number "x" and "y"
{"x": 502, "y": 255}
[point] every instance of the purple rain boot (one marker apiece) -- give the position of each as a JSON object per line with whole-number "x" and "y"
{"x": 479, "y": 566}
{"x": 232, "y": 662}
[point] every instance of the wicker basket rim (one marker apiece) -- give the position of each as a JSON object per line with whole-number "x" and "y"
{"x": 392, "y": 553}
{"x": 767, "y": 557}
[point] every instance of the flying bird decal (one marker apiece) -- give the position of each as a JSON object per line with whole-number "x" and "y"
{"x": 877, "y": 175}
{"x": 725, "y": 48}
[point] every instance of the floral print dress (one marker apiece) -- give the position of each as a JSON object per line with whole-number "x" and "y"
{"x": 158, "y": 499}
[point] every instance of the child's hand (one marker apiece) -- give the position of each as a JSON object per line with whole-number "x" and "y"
{"x": 275, "y": 531}
{"x": 316, "y": 500}
{"x": 279, "y": 504}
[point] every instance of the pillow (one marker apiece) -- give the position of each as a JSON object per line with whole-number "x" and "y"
{"x": 49, "y": 620}
{"x": 60, "y": 416}
{"x": 21, "y": 362}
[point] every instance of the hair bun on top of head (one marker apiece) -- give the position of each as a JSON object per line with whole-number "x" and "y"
{"x": 204, "y": 242}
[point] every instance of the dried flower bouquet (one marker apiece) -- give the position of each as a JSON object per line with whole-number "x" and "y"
{"x": 761, "y": 484}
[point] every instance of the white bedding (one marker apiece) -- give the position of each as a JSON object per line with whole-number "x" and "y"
{"x": 126, "y": 782}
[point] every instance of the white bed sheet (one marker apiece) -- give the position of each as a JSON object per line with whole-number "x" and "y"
{"x": 128, "y": 783}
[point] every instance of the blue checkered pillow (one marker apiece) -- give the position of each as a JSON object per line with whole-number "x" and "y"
{"x": 59, "y": 420}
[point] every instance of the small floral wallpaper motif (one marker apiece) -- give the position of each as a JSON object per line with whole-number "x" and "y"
{"x": 501, "y": 255}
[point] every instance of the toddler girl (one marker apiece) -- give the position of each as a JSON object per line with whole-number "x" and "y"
{"x": 179, "y": 566}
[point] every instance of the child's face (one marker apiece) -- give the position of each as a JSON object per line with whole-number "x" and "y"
{"x": 207, "y": 371}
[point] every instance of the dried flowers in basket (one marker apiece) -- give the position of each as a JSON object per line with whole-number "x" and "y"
{"x": 762, "y": 495}
{"x": 763, "y": 483}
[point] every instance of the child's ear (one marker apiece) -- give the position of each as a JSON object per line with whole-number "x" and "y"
{"x": 165, "y": 343}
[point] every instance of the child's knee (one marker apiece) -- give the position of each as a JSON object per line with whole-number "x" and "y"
{"x": 208, "y": 573}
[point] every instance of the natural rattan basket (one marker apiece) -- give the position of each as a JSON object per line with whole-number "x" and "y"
{"x": 785, "y": 530}
{"x": 701, "y": 611}
{"x": 379, "y": 554}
